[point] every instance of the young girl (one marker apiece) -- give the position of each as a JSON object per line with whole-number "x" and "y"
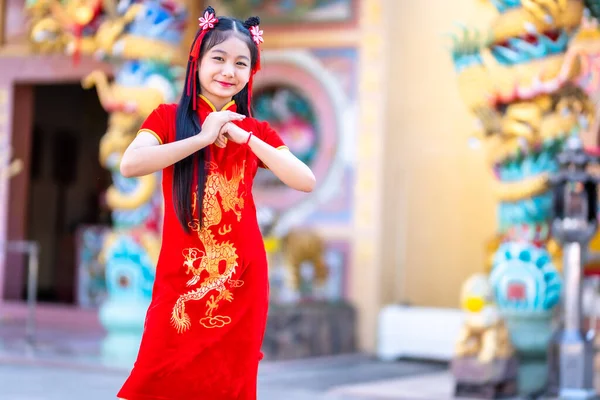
{"x": 205, "y": 325}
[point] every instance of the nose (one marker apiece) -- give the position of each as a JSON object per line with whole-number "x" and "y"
{"x": 228, "y": 70}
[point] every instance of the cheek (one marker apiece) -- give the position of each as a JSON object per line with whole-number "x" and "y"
{"x": 205, "y": 76}
{"x": 244, "y": 76}
{"x": 205, "y": 69}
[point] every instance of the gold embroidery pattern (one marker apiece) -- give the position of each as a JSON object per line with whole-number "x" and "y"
{"x": 208, "y": 260}
{"x": 224, "y": 230}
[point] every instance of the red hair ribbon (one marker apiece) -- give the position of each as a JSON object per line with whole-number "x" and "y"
{"x": 208, "y": 21}
{"x": 256, "y": 34}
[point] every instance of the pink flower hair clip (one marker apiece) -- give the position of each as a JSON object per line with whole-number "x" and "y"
{"x": 208, "y": 21}
{"x": 256, "y": 33}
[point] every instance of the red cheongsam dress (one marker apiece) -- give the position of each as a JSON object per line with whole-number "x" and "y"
{"x": 205, "y": 325}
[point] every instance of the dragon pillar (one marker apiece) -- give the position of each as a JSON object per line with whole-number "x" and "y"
{"x": 523, "y": 86}
{"x": 141, "y": 40}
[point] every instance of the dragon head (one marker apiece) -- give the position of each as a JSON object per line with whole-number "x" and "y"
{"x": 519, "y": 84}
{"x": 149, "y": 30}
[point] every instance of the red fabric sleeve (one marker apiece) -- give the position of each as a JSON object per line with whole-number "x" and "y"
{"x": 155, "y": 125}
{"x": 269, "y": 136}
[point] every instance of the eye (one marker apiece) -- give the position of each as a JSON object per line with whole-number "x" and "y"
{"x": 243, "y": 64}
{"x": 218, "y": 58}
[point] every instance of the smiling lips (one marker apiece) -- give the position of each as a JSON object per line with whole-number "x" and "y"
{"x": 225, "y": 84}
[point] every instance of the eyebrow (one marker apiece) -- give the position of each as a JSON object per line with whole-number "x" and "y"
{"x": 225, "y": 53}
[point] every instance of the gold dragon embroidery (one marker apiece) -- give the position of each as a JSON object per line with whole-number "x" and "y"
{"x": 206, "y": 262}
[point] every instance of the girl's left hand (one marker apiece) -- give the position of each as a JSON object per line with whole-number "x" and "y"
{"x": 235, "y": 133}
{"x": 221, "y": 141}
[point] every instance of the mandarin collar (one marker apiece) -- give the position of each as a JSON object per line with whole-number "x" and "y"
{"x": 205, "y": 106}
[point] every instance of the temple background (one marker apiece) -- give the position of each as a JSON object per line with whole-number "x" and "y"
{"x": 412, "y": 210}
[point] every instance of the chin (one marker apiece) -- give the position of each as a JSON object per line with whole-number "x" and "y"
{"x": 228, "y": 94}
{"x": 225, "y": 92}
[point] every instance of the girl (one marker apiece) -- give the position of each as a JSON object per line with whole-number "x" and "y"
{"x": 205, "y": 325}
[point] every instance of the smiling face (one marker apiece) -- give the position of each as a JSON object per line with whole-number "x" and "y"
{"x": 224, "y": 71}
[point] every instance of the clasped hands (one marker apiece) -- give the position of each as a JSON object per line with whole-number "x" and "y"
{"x": 219, "y": 128}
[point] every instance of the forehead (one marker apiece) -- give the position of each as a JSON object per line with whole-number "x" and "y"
{"x": 233, "y": 46}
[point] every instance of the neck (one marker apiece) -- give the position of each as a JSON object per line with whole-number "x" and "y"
{"x": 218, "y": 103}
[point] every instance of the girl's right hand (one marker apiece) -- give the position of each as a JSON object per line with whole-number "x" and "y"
{"x": 214, "y": 122}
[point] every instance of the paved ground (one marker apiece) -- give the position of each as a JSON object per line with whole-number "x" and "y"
{"x": 65, "y": 365}
{"x": 316, "y": 379}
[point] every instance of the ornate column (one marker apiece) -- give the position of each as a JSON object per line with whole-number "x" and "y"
{"x": 365, "y": 271}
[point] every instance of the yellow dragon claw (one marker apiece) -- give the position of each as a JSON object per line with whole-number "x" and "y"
{"x": 545, "y": 10}
{"x": 227, "y": 295}
{"x": 211, "y": 304}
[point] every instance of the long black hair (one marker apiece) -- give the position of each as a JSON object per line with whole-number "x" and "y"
{"x": 188, "y": 124}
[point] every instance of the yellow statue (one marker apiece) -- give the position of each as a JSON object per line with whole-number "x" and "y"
{"x": 299, "y": 246}
{"x": 484, "y": 334}
{"x": 56, "y": 26}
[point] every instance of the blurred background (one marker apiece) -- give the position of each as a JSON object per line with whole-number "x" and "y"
{"x": 434, "y": 129}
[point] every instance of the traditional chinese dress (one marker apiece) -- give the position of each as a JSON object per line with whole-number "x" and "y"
{"x": 205, "y": 325}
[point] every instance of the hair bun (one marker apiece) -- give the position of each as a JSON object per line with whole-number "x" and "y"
{"x": 209, "y": 10}
{"x": 252, "y": 21}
